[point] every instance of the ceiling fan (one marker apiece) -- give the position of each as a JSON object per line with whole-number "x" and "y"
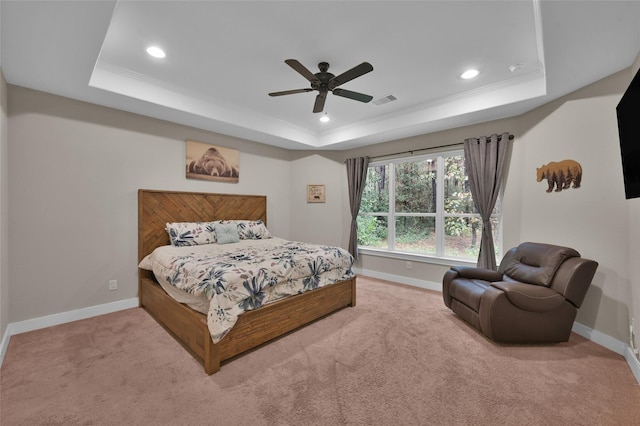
{"x": 325, "y": 82}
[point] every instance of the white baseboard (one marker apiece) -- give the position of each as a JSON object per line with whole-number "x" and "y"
{"x": 608, "y": 342}
{"x": 634, "y": 363}
{"x": 429, "y": 285}
{"x": 4, "y": 344}
{"x": 600, "y": 338}
{"x": 62, "y": 318}
{"x": 595, "y": 336}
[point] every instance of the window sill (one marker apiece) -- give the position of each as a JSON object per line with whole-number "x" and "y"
{"x": 416, "y": 257}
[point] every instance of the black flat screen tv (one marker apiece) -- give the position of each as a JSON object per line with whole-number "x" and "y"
{"x": 628, "y": 111}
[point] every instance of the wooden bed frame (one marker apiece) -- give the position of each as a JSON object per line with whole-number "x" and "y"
{"x": 189, "y": 327}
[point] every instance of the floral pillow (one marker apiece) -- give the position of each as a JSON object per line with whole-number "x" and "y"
{"x": 191, "y": 233}
{"x": 252, "y": 230}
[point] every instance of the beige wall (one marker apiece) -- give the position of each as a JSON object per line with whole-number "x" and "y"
{"x": 319, "y": 223}
{"x": 75, "y": 168}
{"x": 74, "y": 172}
{"x": 594, "y": 219}
{"x": 4, "y": 215}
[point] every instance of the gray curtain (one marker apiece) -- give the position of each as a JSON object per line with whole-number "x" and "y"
{"x": 356, "y": 178}
{"x": 485, "y": 160}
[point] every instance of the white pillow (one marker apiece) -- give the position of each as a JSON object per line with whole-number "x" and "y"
{"x": 252, "y": 230}
{"x": 191, "y": 233}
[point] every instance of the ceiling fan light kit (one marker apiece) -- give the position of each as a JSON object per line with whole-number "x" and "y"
{"x": 325, "y": 82}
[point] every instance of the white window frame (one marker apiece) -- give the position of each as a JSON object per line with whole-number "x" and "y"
{"x": 440, "y": 215}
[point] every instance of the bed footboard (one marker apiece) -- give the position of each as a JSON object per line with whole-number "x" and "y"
{"x": 189, "y": 327}
{"x": 253, "y": 327}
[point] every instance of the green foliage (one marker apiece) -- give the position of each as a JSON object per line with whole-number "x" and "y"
{"x": 375, "y": 197}
{"x": 372, "y": 232}
{"x": 458, "y": 199}
{"x": 416, "y": 187}
{"x": 416, "y": 193}
{"x": 411, "y": 230}
{"x": 460, "y": 226}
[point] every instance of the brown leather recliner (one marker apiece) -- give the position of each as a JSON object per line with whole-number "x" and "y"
{"x": 533, "y": 297}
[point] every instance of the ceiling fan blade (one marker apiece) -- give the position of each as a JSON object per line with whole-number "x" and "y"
{"x": 302, "y": 70}
{"x": 356, "y": 96}
{"x": 320, "y": 99}
{"x": 291, "y": 92}
{"x": 354, "y": 72}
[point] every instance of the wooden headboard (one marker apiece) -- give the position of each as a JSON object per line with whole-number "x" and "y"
{"x": 156, "y": 208}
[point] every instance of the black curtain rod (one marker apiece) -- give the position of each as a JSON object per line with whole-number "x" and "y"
{"x": 433, "y": 147}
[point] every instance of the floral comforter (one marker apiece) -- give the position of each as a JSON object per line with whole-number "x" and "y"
{"x": 243, "y": 276}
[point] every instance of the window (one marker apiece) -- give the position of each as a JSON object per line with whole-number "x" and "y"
{"x": 422, "y": 206}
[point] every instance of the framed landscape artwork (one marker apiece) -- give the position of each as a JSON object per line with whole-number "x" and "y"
{"x": 211, "y": 162}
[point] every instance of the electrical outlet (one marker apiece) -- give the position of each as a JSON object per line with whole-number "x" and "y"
{"x": 113, "y": 285}
{"x": 409, "y": 265}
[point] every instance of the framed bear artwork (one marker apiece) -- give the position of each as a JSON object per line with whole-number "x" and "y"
{"x": 316, "y": 194}
{"x": 211, "y": 162}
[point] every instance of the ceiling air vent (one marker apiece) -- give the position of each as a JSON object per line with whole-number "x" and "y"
{"x": 384, "y": 100}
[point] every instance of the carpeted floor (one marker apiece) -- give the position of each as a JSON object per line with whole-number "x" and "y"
{"x": 398, "y": 358}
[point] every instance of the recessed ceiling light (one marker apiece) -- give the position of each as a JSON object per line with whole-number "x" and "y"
{"x": 156, "y": 52}
{"x": 469, "y": 74}
{"x": 325, "y": 118}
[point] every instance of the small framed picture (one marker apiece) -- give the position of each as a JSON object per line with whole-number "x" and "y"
{"x": 315, "y": 194}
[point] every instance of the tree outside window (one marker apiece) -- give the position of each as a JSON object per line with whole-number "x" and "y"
{"x": 422, "y": 205}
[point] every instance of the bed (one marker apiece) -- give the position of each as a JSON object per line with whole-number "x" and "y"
{"x": 189, "y": 326}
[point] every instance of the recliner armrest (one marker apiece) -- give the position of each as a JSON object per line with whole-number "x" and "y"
{"x": 530, "y": 297}
{"x": 477, "y": 273}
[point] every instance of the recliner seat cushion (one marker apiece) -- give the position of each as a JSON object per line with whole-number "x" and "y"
{"x": 537, "y": 263}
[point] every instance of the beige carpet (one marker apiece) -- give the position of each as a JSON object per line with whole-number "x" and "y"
{"x": 398, "y": 358}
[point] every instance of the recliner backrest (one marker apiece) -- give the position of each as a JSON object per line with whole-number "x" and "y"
{"x": 572, "y": 276}
{"x": 535, "y": 263}
{"x": 573, "y": 279}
